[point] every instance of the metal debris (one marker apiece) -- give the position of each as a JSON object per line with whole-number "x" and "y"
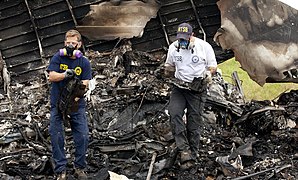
{"x": 263, "y": 36}
{"x": 105, "y": 21}
{"x": 130, "y": 136}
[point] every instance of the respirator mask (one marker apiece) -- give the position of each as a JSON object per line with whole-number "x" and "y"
{"x": 183, "y": 44}
{"x": 70, "y": 51}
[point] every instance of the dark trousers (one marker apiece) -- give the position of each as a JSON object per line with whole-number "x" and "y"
{"x": 79, "y": 127}
{"x": 186, "y": 134}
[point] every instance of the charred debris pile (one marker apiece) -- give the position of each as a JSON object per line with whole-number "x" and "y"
{"x": 130, "y": 133}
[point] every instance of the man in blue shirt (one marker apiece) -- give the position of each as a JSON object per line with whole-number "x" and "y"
{"x": 65, "y": 64}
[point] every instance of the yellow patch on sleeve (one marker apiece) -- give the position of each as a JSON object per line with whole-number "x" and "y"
{"x": 63, "y": 67}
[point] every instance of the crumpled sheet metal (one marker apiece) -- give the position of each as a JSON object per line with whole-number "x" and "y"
{"x": 263, "y": 35}
{"x": 136, "y": 102}
{"x": 106, "y": 21}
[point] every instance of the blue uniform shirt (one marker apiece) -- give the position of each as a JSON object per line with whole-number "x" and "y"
{"x": 60, "y": 64}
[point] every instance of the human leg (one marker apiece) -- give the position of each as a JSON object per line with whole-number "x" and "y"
{"x": 195, "y": 108}
{"x": 176, "y": 110}
{"x": 79, "y": 126}
{"x": 57, "y": 140}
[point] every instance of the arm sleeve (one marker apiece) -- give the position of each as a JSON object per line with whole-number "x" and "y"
{"x": 87, "y": 73}
{"x": 210, "y": 55}
{"x": 169, "y": 60}
{"x": 54, "y": 64}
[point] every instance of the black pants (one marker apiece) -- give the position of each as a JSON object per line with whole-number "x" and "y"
{"x": 186, "y": 134}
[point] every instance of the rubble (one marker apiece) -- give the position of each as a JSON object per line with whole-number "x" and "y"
{"x": 130, "y": 136}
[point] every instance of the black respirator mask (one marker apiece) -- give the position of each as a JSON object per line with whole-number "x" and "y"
{"x": 70, "y": 51}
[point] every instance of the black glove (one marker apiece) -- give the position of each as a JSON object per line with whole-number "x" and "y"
{"x": 69, "y": 73}
{"x": 158, "y": 74}
{"x": 198, "y": 85}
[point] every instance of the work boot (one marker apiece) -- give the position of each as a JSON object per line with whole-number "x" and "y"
{"x": 185, "y": 156}
{"x": 80, "y": 174}
{"x": 61, "y": 176}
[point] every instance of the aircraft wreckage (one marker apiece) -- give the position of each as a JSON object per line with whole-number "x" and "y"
{"x": 263, "y": 36}
{"x": 130, "y": 136}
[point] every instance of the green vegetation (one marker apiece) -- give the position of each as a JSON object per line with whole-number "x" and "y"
{"x": 252, "y": 90}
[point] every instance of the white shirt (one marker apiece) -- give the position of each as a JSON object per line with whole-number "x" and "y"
{"x": 190, "y": 64}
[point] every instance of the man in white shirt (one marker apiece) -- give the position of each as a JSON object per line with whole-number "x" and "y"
{"x": 190, "y": 60}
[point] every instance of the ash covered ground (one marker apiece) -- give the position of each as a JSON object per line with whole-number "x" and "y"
{"x": 130, "y": 133}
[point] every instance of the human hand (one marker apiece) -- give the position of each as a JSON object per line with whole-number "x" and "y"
{"x": 207, "y": 77}
{"x": 69, "y": 73}
{"x": 169, "y": 71}
{"x": 158, "y": 73}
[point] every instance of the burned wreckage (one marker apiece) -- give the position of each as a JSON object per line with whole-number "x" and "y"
{"x": 130, "y": 135}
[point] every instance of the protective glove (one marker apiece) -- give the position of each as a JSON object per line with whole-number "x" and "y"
{"x": 197, "y": 84}
{"x": 69, "y": 73}
{"x": 159, "y": 73}
{"x": 91, "y": 87}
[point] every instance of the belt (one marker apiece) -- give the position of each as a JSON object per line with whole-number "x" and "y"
{"x": 179, "y": 83}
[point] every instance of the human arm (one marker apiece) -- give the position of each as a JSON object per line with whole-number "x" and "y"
{"x": 82, "y": 89}
{"x": 211, "y": 60}
{"x": 86, "y": 77}
{"x": 55, "y": 76}
{"x": 169, "y": 66}
{"x": 169, "y": 70}
{"x": 85, "y": 82}
{"x": 57, "y": 71}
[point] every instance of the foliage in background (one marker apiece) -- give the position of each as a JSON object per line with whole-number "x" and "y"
{"x": 252, "y": 90}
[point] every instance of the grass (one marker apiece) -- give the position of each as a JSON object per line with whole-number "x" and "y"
{"x": 253, "y": 91}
